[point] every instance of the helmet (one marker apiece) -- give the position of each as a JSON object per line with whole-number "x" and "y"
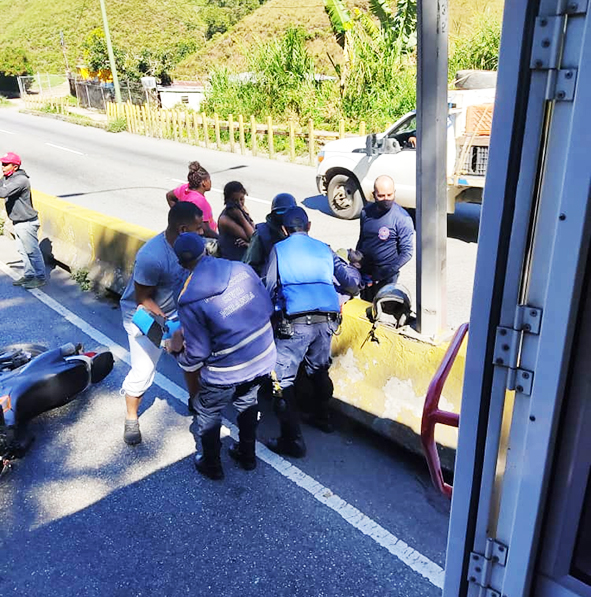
{"x": 282, "y": 202}
{"x": 391, "y": 304}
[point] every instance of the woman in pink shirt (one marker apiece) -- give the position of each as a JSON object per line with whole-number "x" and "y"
{"x": 193, "y": 191}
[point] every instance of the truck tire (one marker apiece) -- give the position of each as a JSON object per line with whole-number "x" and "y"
{"x": 344, "y": 197}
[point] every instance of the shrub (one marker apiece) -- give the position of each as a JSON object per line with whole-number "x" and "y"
{"x": 80, "y": 276}
{"x": 118, "y": 125}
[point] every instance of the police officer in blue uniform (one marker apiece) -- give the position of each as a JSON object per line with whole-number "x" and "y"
{"x": 268, "y": 234}
{"x": 385, "y": 238}
{"x": 227, "y": 335}
{"x": 307, "y": 311}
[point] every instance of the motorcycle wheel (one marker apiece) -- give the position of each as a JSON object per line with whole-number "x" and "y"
{"x": 32, "y": 349}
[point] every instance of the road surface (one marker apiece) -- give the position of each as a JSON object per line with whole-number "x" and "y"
{"x": 84, "y": 514}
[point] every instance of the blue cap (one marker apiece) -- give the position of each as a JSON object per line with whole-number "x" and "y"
{"x": 282, "y": 202}
{"x": 188, "y": 247}
{"x": 295, "y": 217}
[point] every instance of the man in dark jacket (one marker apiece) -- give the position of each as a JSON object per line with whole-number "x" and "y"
{"x": 15, "y": 189}
{"x": 385, "y": 238}
{"x": 226, "y": 334}
{"x": 268, "y": 233}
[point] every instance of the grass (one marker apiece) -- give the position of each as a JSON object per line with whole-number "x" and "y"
{"x": 1, "y": 226}
{"x": 30, "y": 33}
{"x": 118, "y": 125}
{"x": 80, "y": 276}
{"x": 4, "y": 102}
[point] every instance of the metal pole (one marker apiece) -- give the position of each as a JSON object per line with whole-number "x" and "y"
{"x": 432, "y": 113}
{"x": 111, "y": 54}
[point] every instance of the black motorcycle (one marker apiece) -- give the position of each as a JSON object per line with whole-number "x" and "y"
{"x": 34, "y": 380}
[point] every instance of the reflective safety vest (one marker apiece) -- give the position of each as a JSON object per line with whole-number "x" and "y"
{"x": 305, "y": 266}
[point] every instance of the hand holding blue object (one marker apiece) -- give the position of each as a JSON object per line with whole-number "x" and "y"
{"x": 155, "y": 327}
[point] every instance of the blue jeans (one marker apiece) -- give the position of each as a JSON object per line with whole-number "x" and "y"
{"x": 27, "y": 245}
{"x": 309, "y": 344}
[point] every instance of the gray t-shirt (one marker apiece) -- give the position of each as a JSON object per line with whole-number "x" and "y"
{"x": 155, "y": 265}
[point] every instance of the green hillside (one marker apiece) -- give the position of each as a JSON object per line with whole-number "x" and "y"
{"x": 274, "y": 17}
{"x": 30, "y": 32}
{"x": 269, "y": 21}
{"x": 31, "y": 29}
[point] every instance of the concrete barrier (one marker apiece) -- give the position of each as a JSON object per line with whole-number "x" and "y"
{"x": 382, "y": 385}
{"x": 83, "y": 239}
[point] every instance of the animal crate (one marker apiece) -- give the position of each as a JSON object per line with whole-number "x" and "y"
{"x": 475, "y": 161}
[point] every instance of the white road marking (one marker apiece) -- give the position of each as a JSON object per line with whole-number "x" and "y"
{"x": 221, "y": 192}
{"x": 398, "y": 548}
{"x": 7, "y": 132}
{"x": 65, "y": 148}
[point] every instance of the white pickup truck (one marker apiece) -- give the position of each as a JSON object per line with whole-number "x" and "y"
{"x": 347, "y": 168}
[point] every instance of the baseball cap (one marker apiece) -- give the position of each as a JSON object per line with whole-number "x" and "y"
{"x": 188, "y": 247}
{"x": 282, "y": 202}
{"x": 10, "y": 158}
{"x": 295, "y": 217}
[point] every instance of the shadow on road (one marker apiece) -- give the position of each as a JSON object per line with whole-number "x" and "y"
{"x": 319, "y": 203}
{"x": 65, "y": 196}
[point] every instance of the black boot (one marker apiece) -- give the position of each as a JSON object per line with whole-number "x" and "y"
{"x": 243, "y": 451}
{"x": 294, "y": 447}
{"x": 323, "y": 390}
{"x": 290, "y": 442}
{"x": 208, "y": 463}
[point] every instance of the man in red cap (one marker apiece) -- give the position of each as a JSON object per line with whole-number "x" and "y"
{"x": 15, "y": 189}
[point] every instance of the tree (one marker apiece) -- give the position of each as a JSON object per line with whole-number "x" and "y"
{"x": 96, "y": 55}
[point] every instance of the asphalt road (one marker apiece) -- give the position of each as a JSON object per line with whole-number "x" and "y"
{"x": 84, "y": 514}
{"x": 127, "y": 176}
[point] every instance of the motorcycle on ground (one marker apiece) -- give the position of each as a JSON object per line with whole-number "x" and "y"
{"x": 34, "y": 380}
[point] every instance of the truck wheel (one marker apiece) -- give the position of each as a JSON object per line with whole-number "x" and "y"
{"x": 344, "y": 197}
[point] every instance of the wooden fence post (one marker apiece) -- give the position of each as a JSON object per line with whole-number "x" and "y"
{"x": 162, "y": 123}
{"x": 218, "y": 139}
{"x": 291, "y": 140}
{"x": 253, "y": 135}
{"x": 362, "y": 128}
{"x": 341, "y": 129}
{"x": 241, "y": 134}
{"x": 175, "y": 124}
{"x": 205, "y": 134}
{"x": 196, "y": 128}
{"x": 270, "y": 137}
{"x": 231, "y": 131}
{"x": 311, "y": 141}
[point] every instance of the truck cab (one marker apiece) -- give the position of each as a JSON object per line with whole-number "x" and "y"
{"x": 347, "y": 168}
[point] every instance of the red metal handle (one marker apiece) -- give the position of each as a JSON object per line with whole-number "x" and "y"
{"x": 432, "y": 415}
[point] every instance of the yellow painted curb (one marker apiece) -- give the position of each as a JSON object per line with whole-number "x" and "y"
{"x": 389, "y": 380}
{"x": 81, "y": 238}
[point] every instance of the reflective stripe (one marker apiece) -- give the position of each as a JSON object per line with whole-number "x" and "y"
{"x": 269, "y": 349}
{"x": 244, "y": 342}
{"x": 191, "y": 368}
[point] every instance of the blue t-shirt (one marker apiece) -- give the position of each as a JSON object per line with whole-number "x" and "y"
{"x": 155, "y": 265}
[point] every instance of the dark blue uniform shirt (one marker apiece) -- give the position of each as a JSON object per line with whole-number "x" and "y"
{"x": 386, "y": 241}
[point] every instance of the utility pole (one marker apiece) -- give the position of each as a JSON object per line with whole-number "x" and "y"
{"x": 110, "y": 53}
{"x": 432, "y": 111}
{"x": 63, "y": 45}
